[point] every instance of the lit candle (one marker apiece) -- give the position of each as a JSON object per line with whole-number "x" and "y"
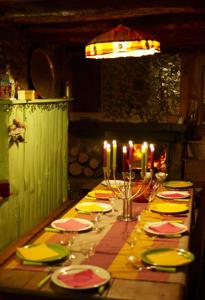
{"x": 124, "y": 159}
{"x": 130, "y": 152}
{"x": 152, "y": 156}
{"x": 145, "y": 155}
{"x": 108, "y": 156}
{"x": 114, "y": 153}
{"x": 105, "y": 154}
{"x": 143, "y": 159}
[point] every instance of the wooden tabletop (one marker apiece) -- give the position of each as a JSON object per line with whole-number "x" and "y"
{"x": 22, "y": 284}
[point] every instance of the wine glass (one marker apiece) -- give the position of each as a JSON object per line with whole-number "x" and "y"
{"x": 113, "y": 204}
{"x": 68, "y": 241}
{"x": 88, "y": 248}
{"x": 96, "y": 217}
{"x": 161, "y": 177}
{"x": 131, "y": 239}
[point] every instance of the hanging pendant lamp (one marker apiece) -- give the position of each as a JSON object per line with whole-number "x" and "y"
{"x": 121, "y": 42}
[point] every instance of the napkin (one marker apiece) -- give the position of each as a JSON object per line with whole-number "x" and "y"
{"x": 104, "y": 195}
{"x": 101, "y": 194}
{"x": 165, "y": 228}
{"x": 169, "y": 207}
{"x": 84, "y": 278}
{"x": 37, "y": 253}
{"x": 71, "y": 225}
{"x": 91, "y": 207}
{"x": 175, "y": 195}
{"x": 169, "y": 257}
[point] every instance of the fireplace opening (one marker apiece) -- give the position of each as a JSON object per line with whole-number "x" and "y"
{"x": 85, "y": 147}
{"x": 85, "y": 163}
{"x": 159, "y": 159}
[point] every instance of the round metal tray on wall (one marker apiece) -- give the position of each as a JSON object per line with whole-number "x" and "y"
{"x": 42, "y": 73}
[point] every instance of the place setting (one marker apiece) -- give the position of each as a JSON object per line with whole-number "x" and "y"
{"x": 89, "y": 207}
{"x": 72, "y": 224}
{"x": 176, "y": 195}
{"x": 162, "y": 259}
{"x": 169, "y": 208}
{"x": 42, "y": 254}
{"x": 101, "y": 194}
{"x": 80, "y": 277}
{"x": 165, "y": 228}
{"x": 178, "y": 184}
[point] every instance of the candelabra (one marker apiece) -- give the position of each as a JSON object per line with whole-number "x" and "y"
{"x": 124, "y": 191}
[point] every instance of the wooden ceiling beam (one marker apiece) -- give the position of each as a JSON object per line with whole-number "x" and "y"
{"x": 87, "y": 15}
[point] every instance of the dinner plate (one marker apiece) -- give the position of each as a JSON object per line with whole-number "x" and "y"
{"x": 168, "y": 208}
{"x": 165, "y": 227}
{"x": 61, "y": 252}
{"x": 167, "y": 257}
{"x": 93, "y": 207}
{"x": 101, "y": 194}
{"x": 177, "y": 184}
{"x": 76, "y": 224}
{"x": 173, "y": 194}
{"x": 102, "y": 275}
{"x": 113, "y": 183}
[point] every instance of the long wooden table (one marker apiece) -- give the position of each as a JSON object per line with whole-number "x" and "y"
{"x": 22, "y": 284}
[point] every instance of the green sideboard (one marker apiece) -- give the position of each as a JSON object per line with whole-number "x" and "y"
{"x": 34, "y": 164}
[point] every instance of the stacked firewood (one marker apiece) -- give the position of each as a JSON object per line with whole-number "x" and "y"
{"x": 85, "y": 161}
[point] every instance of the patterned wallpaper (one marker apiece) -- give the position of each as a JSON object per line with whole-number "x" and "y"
{"x": 143, "y": 89}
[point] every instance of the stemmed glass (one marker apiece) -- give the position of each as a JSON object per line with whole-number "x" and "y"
{"x": 88, "y": 248}
{"x": 96, "y": 217}
{"x": 161, "y": 177}
{"x": 113, "y": 204}
{"x": 131, "y": 239}
{"x": 68, "y": 240}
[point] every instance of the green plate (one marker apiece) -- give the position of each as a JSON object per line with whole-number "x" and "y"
{"x": 178, "y": 184}
{"x": 61, "y": 250}
{"x": 167, "y": 257}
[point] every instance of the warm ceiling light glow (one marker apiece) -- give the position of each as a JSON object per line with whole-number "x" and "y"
{"x": 121, "y": 42}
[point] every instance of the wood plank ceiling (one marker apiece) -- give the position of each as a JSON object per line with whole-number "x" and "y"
{"x": 179, "y": 25}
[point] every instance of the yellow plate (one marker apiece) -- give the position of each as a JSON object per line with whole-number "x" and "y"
{"x": 42, "y": 252}
{"x": 177, "y": 184}
{"x": 167, "y": 208}
{"x": 101, "y": 194}
{"x": 167, "y": 257}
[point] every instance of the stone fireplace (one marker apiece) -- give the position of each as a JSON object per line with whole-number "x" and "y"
{"x": 170, "y": 138}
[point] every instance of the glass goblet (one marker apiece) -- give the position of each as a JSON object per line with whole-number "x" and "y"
{"x": 96, "y": 217}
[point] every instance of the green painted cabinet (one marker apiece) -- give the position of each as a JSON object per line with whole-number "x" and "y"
{"x": 35, "y": 165}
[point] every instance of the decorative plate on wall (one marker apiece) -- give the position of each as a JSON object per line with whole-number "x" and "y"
{"x": 42, "y": 73}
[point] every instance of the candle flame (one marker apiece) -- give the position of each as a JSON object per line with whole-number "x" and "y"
{"x": 152, "y": 147}
{"x": 108, "y": 147}
{"x": 131, "y": 143}
{"x": 124, "y": 149}
{"x": 105, "y": 144}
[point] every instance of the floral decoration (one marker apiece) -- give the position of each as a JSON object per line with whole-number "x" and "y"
{"x": 15, "y": 132}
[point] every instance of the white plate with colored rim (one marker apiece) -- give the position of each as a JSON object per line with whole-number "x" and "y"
{"x": 165, "y": 227}
{"x": 66, "y": 277}
{"x": 76, "y": 224}
{"x": 167, "y": 257}
{"x": 113, "y": 183}
{"x": 169, "y": 208}
{"x": 171, "y": 195}
{"x": 93, "y": 207}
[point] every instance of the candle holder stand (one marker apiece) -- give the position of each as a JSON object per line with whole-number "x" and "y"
{"x": 124, "y": 191}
